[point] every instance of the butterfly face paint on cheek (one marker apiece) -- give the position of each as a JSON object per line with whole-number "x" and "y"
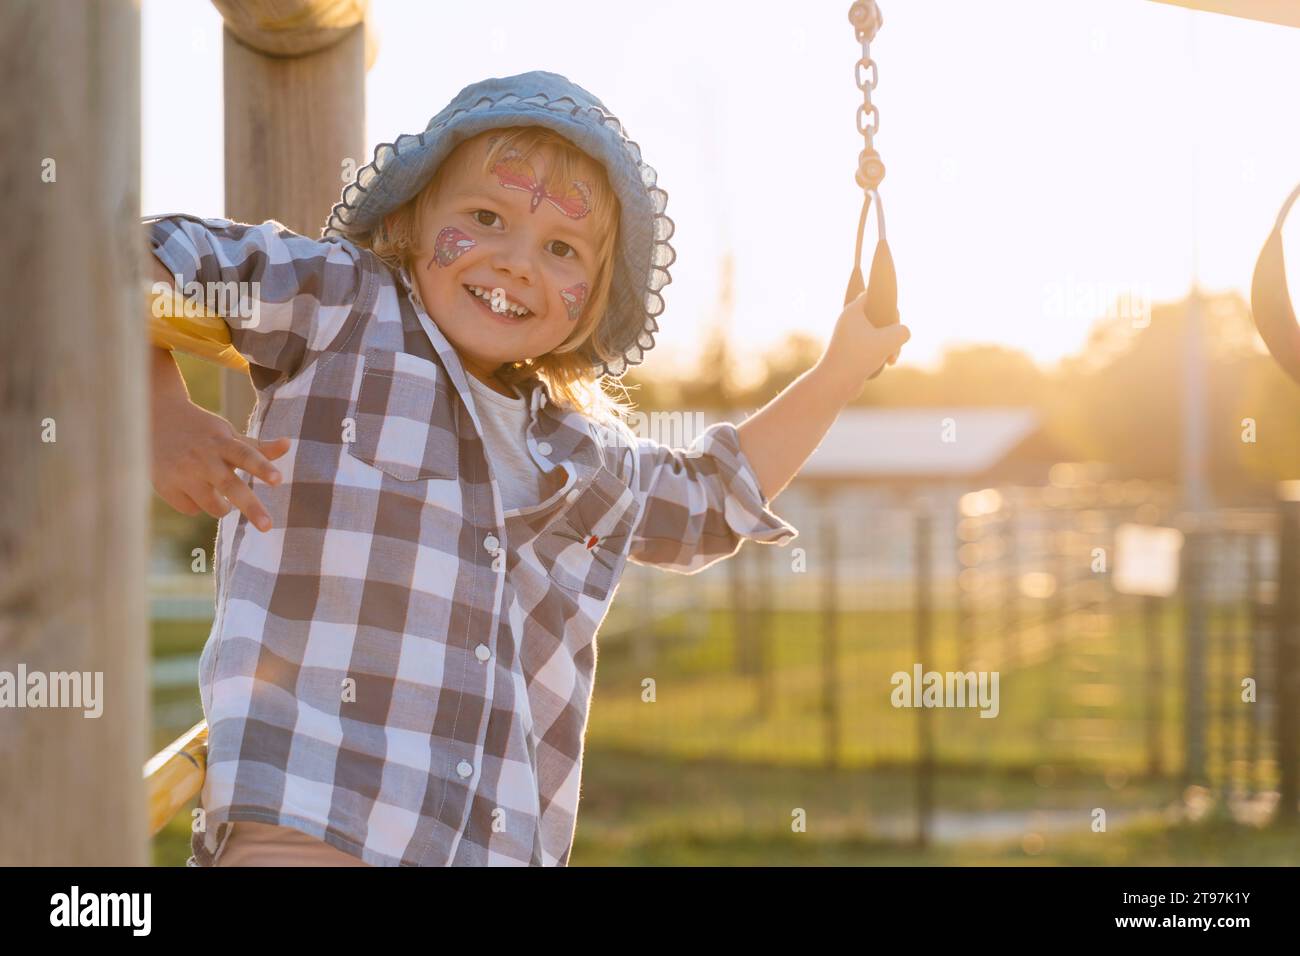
{"x": 450, "y": 245}
{"x": 575, "y": 297}
{"x": 514, "y": 173}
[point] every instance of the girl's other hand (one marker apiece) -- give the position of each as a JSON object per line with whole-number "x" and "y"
{"x": 194, "y": 454}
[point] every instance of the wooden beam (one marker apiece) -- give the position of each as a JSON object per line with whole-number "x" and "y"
{"x": 294, "y": 74}
{"x": 1283, "y": 12}
{"x": 74, "y": 526}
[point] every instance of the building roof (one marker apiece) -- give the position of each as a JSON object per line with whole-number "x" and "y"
{"x": 909, "y": 442}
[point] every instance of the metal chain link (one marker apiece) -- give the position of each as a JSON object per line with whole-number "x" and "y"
{"x": 866, "y": 20}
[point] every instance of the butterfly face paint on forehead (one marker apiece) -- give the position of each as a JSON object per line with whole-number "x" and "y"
{"x": 575, "y": 297}
{"x": 450, "y": 245}
{"x": 513, "y": 172}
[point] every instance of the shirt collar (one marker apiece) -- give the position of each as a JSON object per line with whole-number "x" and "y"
{"x": 566, "y": 432}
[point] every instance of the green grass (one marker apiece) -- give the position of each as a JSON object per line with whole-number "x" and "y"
{"x": 711, "y": 771}
{"x": 1210, "y": 844}
{"x": 637, "y": 811}
{"x": 1078, "y": 695}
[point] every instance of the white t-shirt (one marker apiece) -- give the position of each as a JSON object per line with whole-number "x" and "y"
{"x": 505, "y": 435}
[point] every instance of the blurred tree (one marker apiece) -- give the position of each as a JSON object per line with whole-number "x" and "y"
{"x": 714, "y": 383}
{"x": 1117, "y": 400}
{"x": 796, "y": 353}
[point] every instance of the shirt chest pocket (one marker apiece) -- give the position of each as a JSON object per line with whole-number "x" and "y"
{"x": 583, "y": 550}
{"x": 405, "y": 418}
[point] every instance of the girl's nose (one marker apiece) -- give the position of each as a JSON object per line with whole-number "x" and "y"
{"x": 515, "y": 260}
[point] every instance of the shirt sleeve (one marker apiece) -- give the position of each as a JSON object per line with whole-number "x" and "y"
{"x": 274, "y": 297}
{"x": 700, "y": 503}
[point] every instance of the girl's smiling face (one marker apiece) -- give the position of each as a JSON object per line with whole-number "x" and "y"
{"x": 500, "y": 238}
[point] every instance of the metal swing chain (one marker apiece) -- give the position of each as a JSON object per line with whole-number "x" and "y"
{"x": 866, "y": 20}
{"x": 881, "y": 300}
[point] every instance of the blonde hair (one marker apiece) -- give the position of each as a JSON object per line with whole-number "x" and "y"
{"x": 567, "y": 369}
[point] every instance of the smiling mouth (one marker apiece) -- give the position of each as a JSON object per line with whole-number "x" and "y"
{"x": 509, "y": 315}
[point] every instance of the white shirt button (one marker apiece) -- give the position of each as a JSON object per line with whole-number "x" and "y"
{"x": 464, "y": 769}
{"x": 482, "y": 652}
{"x": 491, "y": 542}
{"x": 544, "y": 447}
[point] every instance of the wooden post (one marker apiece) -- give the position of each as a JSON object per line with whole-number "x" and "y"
{"x": 74, "y": 525}
{"x": 295, "y": 121}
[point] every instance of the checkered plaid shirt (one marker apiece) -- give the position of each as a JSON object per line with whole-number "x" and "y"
{"x": 401, "y": 668}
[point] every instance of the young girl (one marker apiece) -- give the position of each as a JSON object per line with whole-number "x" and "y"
{"x": 403, "y": 654}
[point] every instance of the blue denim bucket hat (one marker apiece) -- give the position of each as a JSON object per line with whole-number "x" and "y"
{"x": 642, "y": 254}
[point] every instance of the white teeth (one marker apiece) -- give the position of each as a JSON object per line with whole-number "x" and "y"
{"x": 486, "y": 295}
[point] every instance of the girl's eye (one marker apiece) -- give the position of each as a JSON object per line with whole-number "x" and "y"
{"x": 562, "y": 249}
{"x": 479, "y": 215}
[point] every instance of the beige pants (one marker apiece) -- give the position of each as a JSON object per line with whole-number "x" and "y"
{"x": 263, "y": 844}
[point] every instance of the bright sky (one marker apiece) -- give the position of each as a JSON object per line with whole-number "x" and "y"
{"x": 1042, "y": 156}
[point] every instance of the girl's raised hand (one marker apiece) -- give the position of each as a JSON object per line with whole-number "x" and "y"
{"x": 858, "y": 349}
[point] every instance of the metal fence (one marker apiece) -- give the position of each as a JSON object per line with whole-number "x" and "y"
{"x": 776, "y": 670}
{"x": 788, "y": 657}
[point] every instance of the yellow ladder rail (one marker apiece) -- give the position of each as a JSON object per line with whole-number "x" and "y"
{"x": 173, "y": 776}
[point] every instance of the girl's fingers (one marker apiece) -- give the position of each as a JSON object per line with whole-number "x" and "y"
{"x": 242, "y": 497}
{"x": 183, "y": 503}
{"x": 275, "y": 448}
{"x": 901, "y": 333}
{"x": 211, "y": 502}
{"x": 178, "y": 500}
{"x": 246, "y": 453}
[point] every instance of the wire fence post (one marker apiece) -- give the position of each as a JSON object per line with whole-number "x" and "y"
{"x": 968, "y": 571}
{"x": 1260, "y": 617}
{"x": 924, "y": 647}
{"x": 1194, "y": 639}
{"x": 1155, "y": 684}
{"x": 1287, "y": 656}
{"x": 830, "y": 629}
{"x": 1010, "y": 559}
{"x": 764, "y": 631}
